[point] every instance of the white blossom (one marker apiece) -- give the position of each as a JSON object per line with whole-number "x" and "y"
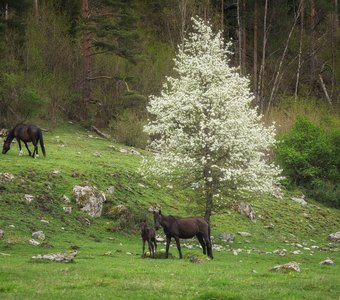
{"x": 203, "y": 119}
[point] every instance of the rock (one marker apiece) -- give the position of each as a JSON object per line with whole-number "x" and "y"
{"x": 327, "y": 262}
{"x": 66, "y": 199}
{"x": 141, "y": 185}
{"x": 123, "y": 151}
{"x": 195, "y": 259}
{"x": 57, "y": 257}
{"x": 270, "y": 226}
{"x": 5, "y": 177}
{"x": 300, "y": 200}
{"x": 44, "y": 221}
{"x": 110, "y": 189}
{"x": 98, "y": 154}
{"x": 245, "y": 208}
{"x": 226, "y": 237}
{"x": 2, "y": 233}
{"x": 277, "y": 193}
{"x": 38, "y": 235}
{"x": 244, "y": 233}
{"x": 28, "y": 198}
{"x": 89, "y": 199}
{"x": 296, "y": 252}
{"x": 55, "y": 172}
{"x": 67, "y": 209}
{"x": 3, "y": 132}
{"x": 237, "y": 251}
{"x": 11, "y": 226}
{"x": 334, "y": 237}
{"x": 34, "y": 242}
{"x": 160, "y": 239}
{"x": 279, "y": 252}
{"x": 289, "y": 267}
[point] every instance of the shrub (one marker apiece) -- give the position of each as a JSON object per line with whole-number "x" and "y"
{"x": 309, "y": 155}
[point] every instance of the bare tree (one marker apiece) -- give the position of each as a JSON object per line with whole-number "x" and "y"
{"x": 302, "y": 5}
{"x": 255, "y": 50}
{"x": 36, "y": 10}
{"x": 312, "y": 42}
{"x": 86, "y": 60}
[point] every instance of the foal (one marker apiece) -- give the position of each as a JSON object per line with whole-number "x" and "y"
{"x": 148, "y": 234}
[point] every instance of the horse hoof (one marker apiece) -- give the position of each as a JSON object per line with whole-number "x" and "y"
{"x": 37, "y": 156}
{"x": 21, "y": 153}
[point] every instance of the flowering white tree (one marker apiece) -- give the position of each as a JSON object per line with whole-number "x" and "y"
{"x": 205, "y": 128}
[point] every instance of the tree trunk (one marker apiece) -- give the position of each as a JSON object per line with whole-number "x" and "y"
{"x": 244, "y": 40}
{"x": 334, "y": 42}
{"x": 36, "y": 10}
{"x": 86, "y": 61}
{"x": 6, "y": 11}
{"x": 263, "y": 62}
{"x": 302, "y": 13}
{"x": 239, "y": 34}
{"x": 208, "y": 199}
{"x": 312, "y": 44}
{"x": 222, "y": 15}
{"x": 255, "y": 52}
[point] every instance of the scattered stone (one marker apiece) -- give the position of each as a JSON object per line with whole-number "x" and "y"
{"x": 123, "y": 151}
{"x": 44, "y": 221}
{"x": 34, "y": 242}
{"x": 4, "y": 254}
{"x": 296, "y": 252}
{"x": 327, "y": 262}
{"x": 55, "y": 172}
{"x": 289, "y": 267}
{"x": 108, "y": 253}
{"x": 110, "y": 238}
{"x": 5, "y": 177}
{"x": 280, "y": 252}
{"x": 237, "y": 251}
{"x": 46, "y": 245}
{"x": 270, "y": 226}
{"x": 335, "y": 237}
{"x": 300, "y": 200}
{"x": 226, "y": 237}
{"x": 28, "y": 198}
{"x": 277, "y": 193}
{"x": 160, "y": 239}
{"x": 67, "y": 209}
{"x": 98, "y": 154}
{"x": 217, "y": 248}
{"x": 38, "y": 235}
{"x": 297, "y": 245}
{"x": 3, "y": 132}
{"x": 110, "y": 190}
{"x": 315, "y": 247}
{"x": 2, "y": 233}
{"x": 128, "y": 253}
{"x": 11, "y": 226}
{"x": 141, "y": 185}
{"x": 195, "y": 259}
{"x": 244, "y": 233}
{"x": 66, "y": 199}
{"x": 245, "y": 208}
{"x": 89, "y": 199}
{"x": 57, "y": 257}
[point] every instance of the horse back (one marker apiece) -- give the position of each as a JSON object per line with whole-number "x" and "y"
{"x": 190, "y": 227}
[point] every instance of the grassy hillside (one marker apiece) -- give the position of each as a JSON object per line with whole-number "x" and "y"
{"x": 109, "y": 263}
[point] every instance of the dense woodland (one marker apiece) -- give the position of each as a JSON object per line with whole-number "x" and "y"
{"x": 98, "y": 61}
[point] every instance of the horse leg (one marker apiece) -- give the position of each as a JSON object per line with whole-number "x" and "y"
{"x": 19, "y": 143}
{"x": 168, "y": 240}
{"x": 35, "y": 152}
{"x": 208, "y": 243}
{"x": 201, "y": 240}
{"x": 179, "y": 247}
{"x": 154, "y": 241}
{"x": 143, "y": 248}
{"x": 29, "y": 151}
{"x": 151, "y": 250}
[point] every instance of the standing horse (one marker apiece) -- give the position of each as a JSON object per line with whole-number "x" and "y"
{"x": 148, "y": 234}
{"x": 25, "y": 133}
{"x": 184, "y": 228}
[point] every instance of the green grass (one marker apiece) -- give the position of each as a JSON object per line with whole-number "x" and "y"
{"x": 128, "y": 276}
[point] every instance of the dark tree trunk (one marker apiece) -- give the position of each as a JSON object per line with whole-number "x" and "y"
{"x": 255, "y": 63}
{"x": 86, "y": 61}
{"x": 312, "y": 44}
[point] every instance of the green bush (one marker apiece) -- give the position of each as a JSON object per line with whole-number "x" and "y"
{"x": 309, "y": 155}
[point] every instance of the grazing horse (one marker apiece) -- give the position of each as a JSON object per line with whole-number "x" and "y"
{"x": 25, "y": 133}
{"x": 184, "y": 228}
{"x": 148, "y": 234}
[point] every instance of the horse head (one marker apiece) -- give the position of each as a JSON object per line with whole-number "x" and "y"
{"x": 7, "y": 146}
{"x": 157, "y": 215}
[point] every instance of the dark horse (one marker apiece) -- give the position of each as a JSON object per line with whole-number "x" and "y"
{"x": 184, "y": 228}
{"x": 25, "y": 133}
{"x": 148, "y": 234}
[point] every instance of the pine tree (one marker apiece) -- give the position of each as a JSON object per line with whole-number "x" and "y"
{"x": 205, "y": 128}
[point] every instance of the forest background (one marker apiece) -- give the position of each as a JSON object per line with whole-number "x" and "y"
{"x": 96, "y": 62}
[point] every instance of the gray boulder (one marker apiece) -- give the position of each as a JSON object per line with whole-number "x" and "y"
{"x": 39, "y": 235}
{"x": 57, "y": 257}
{"x": 245, "y": 208}
{"x": 89, "y": 199}
{"x": 2, "y": 233}
{"x": 226, "y": 237}
{"x": 335, "y": 237}
{"x": 289, "y": 267}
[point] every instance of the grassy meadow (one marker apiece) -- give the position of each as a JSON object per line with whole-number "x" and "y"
{"x": 109, "y": 263}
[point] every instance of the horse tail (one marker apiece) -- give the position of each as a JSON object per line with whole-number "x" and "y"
{"x": 42, "y": 143}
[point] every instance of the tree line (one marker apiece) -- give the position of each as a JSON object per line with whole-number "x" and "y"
{"x": 97, "y": 61}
